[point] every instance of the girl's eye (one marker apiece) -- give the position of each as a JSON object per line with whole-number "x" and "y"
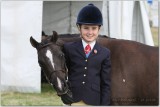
{"x": 86, "y": 28}
{"x": 94, "y": 28}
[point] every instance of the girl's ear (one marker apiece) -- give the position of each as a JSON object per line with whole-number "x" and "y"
{"x": 78, "y": 26}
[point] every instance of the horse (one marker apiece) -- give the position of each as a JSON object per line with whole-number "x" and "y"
{"x": 52, "y": 62}
{"x": 135, "y": 66}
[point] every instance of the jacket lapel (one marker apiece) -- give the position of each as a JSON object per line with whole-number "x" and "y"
{"x": 79, "y": 48}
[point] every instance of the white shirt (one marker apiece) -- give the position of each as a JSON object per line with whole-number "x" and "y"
{"x": 91, "y": 44}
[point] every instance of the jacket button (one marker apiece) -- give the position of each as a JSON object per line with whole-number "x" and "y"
{"x": 84, "y": 75}
{"x": 85, "y": 67}
{"x": 86, "y": 60}
{"x": 83, "y": 82}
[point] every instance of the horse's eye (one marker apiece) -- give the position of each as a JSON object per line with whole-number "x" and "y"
{"x": 61, "y": 55}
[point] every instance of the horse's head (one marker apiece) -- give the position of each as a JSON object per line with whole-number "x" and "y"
{"x": 51, "y": 59}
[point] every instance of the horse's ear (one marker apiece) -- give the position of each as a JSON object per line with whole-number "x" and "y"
{"x": 43, "y": 33}
{"x": 44, "y": 36}
{"x": 33, "y": 42}
{"x": 54, "y": 36}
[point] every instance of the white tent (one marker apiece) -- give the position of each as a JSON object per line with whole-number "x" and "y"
{"x": 19, "y": 66}
{"x": 21, "y": 19}
{"x": 127, "y": 20}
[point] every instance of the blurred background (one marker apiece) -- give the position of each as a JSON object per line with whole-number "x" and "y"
{"x": 22, "y": 82}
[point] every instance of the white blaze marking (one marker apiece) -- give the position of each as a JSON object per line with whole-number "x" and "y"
{"x": 59, "y": 83}
{"x": 49, "y": 55}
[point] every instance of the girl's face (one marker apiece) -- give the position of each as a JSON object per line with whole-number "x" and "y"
{"x": 89, "y": 33}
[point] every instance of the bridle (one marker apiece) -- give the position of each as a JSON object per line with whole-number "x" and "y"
{"x": 43, "y": 44}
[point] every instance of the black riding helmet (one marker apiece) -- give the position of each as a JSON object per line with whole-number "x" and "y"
{"x": 90, "y": 15}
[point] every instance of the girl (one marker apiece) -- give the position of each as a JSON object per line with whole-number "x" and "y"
{"x": 88, "y": 63}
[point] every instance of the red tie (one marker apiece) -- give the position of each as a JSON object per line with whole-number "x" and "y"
{"x": 87, "y": 49}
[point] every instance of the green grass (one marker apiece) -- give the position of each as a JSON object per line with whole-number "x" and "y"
{"x": 154, "y": 31}
{"x": 47, "y": 97}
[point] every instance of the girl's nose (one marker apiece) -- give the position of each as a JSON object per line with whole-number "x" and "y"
{"x": 90, "y": 31}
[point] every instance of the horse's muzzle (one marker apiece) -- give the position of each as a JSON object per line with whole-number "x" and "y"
{"x": 65, "y": 94}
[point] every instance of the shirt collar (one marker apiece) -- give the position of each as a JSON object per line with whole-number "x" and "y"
{"x": 91, "y": 44}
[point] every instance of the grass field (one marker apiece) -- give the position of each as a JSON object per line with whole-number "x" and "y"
{"x": 47, "y": 97}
